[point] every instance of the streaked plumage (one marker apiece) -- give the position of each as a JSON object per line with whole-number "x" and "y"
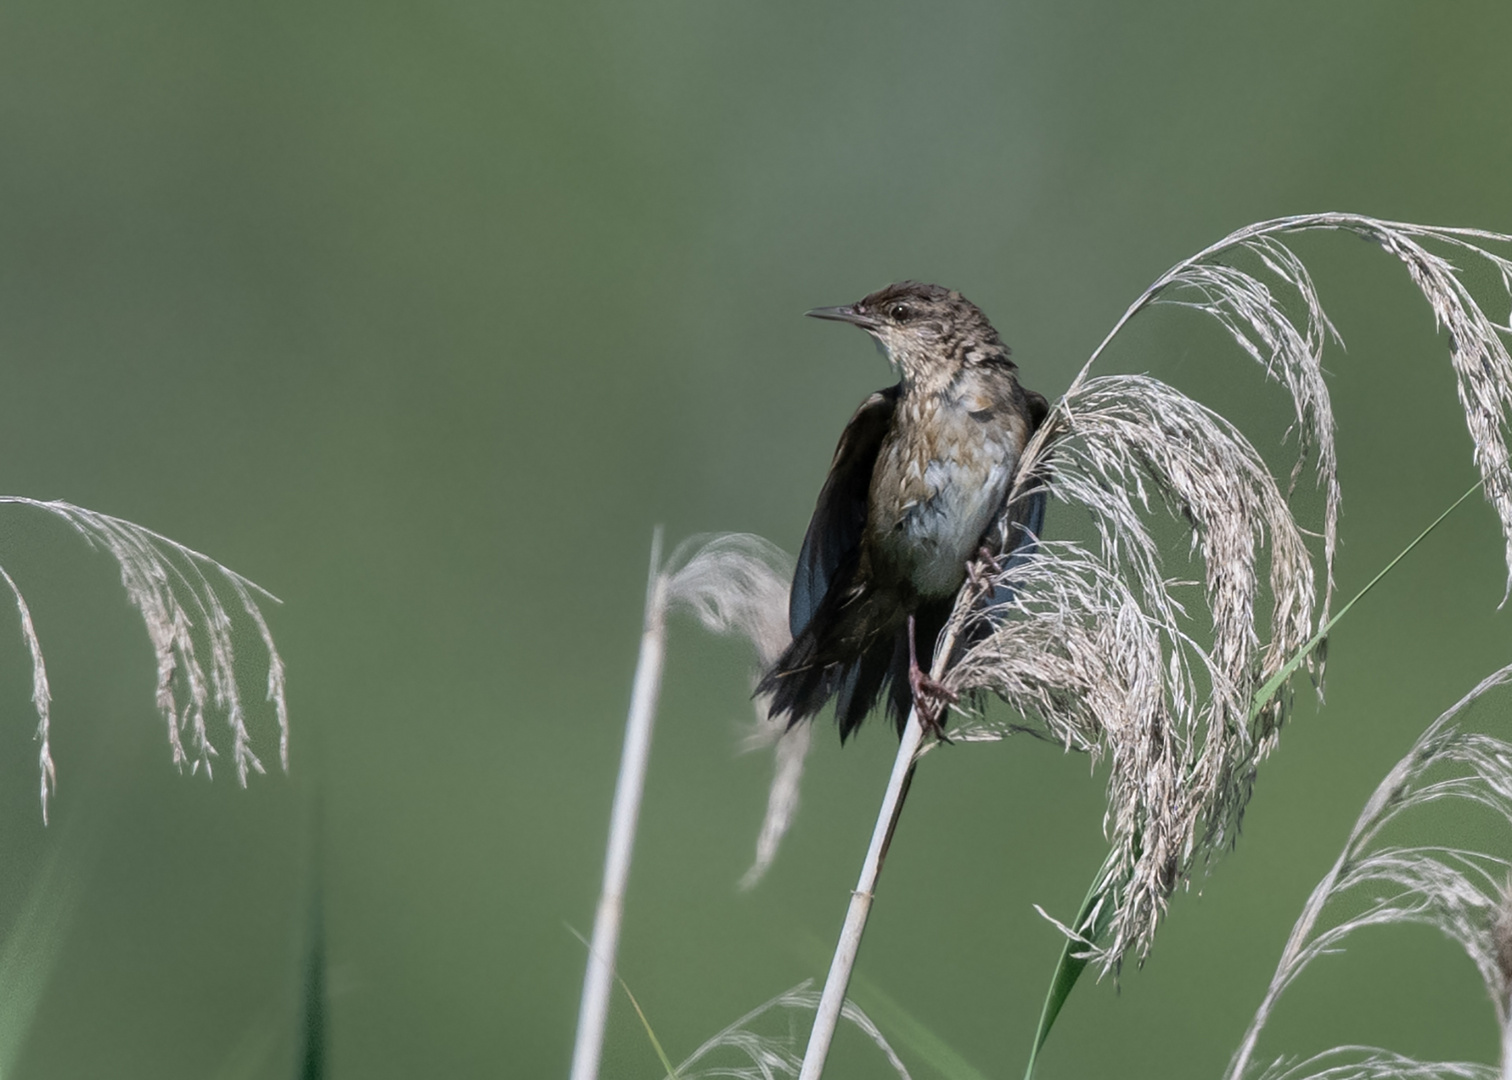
{"x": 921, "y": 472}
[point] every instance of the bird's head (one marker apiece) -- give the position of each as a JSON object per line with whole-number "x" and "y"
{"x": 925, "y": 331}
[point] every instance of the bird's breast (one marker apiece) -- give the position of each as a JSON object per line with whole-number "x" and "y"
{"x": 941, "y": 477}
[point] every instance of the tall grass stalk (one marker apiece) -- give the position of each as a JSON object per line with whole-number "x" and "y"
{"x": 598, "y": 979}
{"x": 913, "y": 745}
{"x": 837, "y": 982}
{"x": 732, "y": 583}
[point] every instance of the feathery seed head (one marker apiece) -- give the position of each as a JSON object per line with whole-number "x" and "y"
{"x": 1501, "y": 939}
{"x": 736, "y": 583}
{"x": 182, "y": 597}
{"x": 1096, "y": 649}
{"x": 1104, "y": 658}
{"x": 1459, "y": 890}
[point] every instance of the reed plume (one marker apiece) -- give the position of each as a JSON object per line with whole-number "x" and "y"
{"x": 1459, "y": 890}
{"x": 186, "y": 601}
{"x": 1101, "y": 648}
{"x": 737, "y": 583}
{"x": 1096, "y": 650}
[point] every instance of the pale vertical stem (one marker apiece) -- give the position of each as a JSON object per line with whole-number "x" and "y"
{"x": 598, "y": 979}
{"x": 1506, "y": 1042}
{"x": 832, "y": 1000}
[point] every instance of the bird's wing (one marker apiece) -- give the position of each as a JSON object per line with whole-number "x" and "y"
{"x": 834, "y": 533}
{"x": 1039, "y": 408}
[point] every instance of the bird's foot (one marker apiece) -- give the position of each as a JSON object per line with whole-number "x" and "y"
{"x": 930, "y": 696}
{"x": 930, "y": 699}
{"x": 983, "y": 568}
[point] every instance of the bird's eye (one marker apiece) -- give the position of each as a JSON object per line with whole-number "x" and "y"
{"x": 900, "y": 313}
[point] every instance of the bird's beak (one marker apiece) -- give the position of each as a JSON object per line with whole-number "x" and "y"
{"x": 847, "y": 313}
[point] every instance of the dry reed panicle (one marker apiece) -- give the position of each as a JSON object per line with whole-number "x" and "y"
{"x": 736, "y": 583}
{"x": 1366, "y": 1063}
{"x": 182, "y": 597}
{"x": 1097, "y": 649}
{"x": 1286, "y": 333}
{"x": 741, "y": 1052}
{"x": 1458, "y": 890}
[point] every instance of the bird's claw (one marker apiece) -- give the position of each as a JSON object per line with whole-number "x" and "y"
{"x": 930, "y": 699}
{"x": 930, "y": 696}
{"x": 985, "y": 566}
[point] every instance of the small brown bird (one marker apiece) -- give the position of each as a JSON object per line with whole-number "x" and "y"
{"x": 921, "y": 474}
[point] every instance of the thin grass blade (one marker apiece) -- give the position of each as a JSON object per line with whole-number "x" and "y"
{"x": 1092, "y": 922}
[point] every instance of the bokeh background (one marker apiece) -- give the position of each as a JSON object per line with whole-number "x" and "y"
{"x": 423, "y": 316}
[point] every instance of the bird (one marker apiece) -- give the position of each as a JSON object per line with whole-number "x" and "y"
{"x": 919, "y": 478}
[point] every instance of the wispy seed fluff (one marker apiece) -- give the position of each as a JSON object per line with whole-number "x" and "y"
{"x": 737, "y": 584}
{"x": 1458, "y": 888}
{"x": 1099, "y": 651}
{"x": 186, "y": 601}
{"x": 1096, "y": 650}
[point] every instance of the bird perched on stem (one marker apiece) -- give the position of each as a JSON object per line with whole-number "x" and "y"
{"x": 921, "y": 474}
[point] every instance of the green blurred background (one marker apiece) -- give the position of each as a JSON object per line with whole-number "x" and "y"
{"x": 422, "y": 316}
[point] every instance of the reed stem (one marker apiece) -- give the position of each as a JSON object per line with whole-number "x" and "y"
{"x": 832, "y": 1000}
{"x": 598, "y": 979}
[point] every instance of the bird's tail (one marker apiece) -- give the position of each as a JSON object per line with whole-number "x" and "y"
{"x": 804, "y": 679}
{"x": 797, "y": 684}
